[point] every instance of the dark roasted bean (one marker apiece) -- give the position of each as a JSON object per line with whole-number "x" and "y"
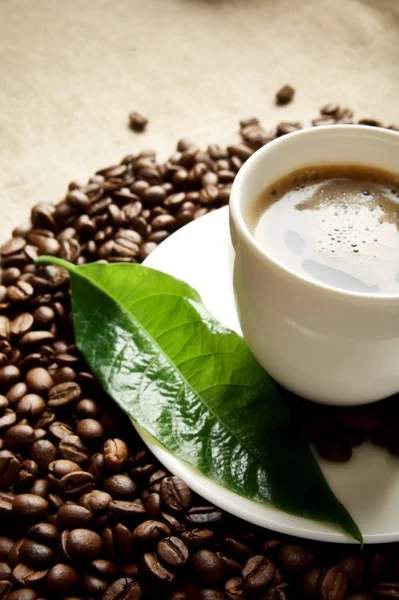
{"x": 121, "y": 487}
{"x": 293, "y": 558}
{"x": 19, "y": 436}
{"x": 203, "y": 515}
{"x": 175, "y": 494}
{"x": 208, "y": 567}
{"x": 258, "y": 572}
{"x": 62, "y": 579}
{"x": 30, "y": 506}
{"x": 156, "y": 570}
{"x": 123, "y": 589}
{"x": 9, "y": 469}
{"x": 196, "y": 538}
{"x": 285, "y": 95}
{"x": 83, "y": 544}
{"x": 333, "y": 585}
{"x": 73, "y": 516}
{"x": 35, "y": 554}
{"x": 172, "y": 551}
{"x": 150, "y": 531}
{"x": 64, "y": 394}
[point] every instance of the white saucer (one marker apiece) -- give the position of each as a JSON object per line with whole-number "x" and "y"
{"x": 368, "y": 485}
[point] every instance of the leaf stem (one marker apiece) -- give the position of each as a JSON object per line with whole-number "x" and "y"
{"x": 54, "y": 260}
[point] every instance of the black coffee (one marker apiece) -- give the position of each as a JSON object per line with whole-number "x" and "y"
{"x": 337, "y": 224}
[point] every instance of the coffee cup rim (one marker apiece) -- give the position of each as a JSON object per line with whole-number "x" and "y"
{"x": 242, "y": 228}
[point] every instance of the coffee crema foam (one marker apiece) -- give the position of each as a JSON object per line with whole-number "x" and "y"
{"x": 337, "y": 224}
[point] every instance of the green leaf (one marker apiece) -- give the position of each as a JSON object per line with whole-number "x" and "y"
{"x": 194, "y": 386}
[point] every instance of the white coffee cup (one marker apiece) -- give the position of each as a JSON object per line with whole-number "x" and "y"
{"x": 326, "y": 344}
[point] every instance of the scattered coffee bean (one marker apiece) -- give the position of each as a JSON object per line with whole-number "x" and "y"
{"x": 137, "y": 122}
{"x": 285, "y": 95}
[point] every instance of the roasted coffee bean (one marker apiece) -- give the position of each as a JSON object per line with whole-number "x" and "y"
{"x": 237, "y": 549}
{"x": 174, "y": 524}
{"x": 5, "y": 572}
{"x": 20, "y": 291}
{"x": 6, "y": 544}
{"x": 46, "y": 533}
{"x": 203, "y": 515}
{"x": 275, "y": 593}
{"x": 121, "y": 487}
{"x": 104, "y": 569}
{"x": 4, "y": 403}
{"x": 208, "y": 594}
{"x": 39, "y": 488}
{"x": 123, "y": 589}
{"x": 38, "y": 380}
{"x": 64, "y": 394}
{"x": 13, "y": 556}
{"x": 9, "y": 375}
{"x": 43, "y": 452}
{"x": 9, "y": 418}
{"x": 156, "y": 570}
{"x": 9, "y": 469}
{"x": 30, "y": 506}
{"x": 175, "y": 494}
{"x": 26, "y": 576}
{"x": 73, "y": 516}
{"x": 97, "y": 466}
{"x": 150, "y": 531}
{"x": 87, "y": 408}
{"x": 72, "y": 448}
{"x": 293, "y": 558}
{"x": 76, "y": 483}
{"x": 27, "y": 473}
{"x": 234, "y": 589}
{"x": 172, "y": 551}
{"x": 258, "y": 573}
{"x": 44, "y": 315}
{"x": 90, "y": 430}
{"x": 19, "y": 436}
{"x": 21, "y": 324}
{"x": 153, "y": 505}
{"x": 197, "y": 538}
{"x": 285, "y": 95}
{"x": 96, "y": 502}
{"x": 352, "y": 566}
{"x": 208, "y": 567}
{"x": 94, "y": 586}
{"x": 62, "y": 579}
{"x": 137, "y": 122}
{"x": 386, "y": 590}
{"x": 10, "y": 276}
{"x": 60, "y": 431}
{"x": 116, "y": 454}
{"x": 35, "y": 554}
{"x": 123, "y": 510}
{"x": 83, "y": 545}
{"x": 333, "y": 585}
{"x": 30, "y": 406}
{"x": 23, "y": 594}
{"x": 17, "y": 392}
{"x": 310, "y": 584}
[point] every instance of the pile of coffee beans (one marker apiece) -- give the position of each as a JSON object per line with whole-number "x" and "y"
{"x": 85, "y": 514}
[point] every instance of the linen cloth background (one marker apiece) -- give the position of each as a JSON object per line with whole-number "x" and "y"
{"x": 70, "y": 72}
